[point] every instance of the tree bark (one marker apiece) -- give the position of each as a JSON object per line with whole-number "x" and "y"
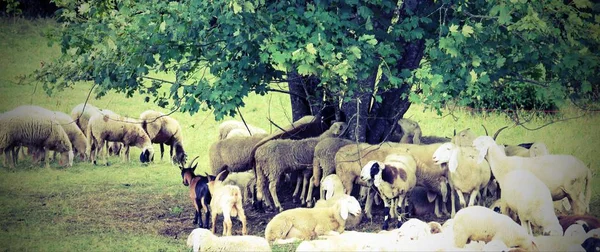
{"x": 300, "y": 105}
{"x": 357, "y": 110}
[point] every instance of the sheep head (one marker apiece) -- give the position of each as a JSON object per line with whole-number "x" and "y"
{"x": 538, "y": 149}
{"x": 371, "y": 172}
{"x": 328, "y": 186}
{"x": 147, "y": 154}
{"x": 482, "y": 144}
{"x": 348, "y": 205}
{"x": 447, "y": 155}
{"x": 410, "y": 127}
{"x": 464, "y": 138}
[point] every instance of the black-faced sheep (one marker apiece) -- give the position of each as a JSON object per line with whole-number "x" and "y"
{"x": 231, "y": 128}
{"x": 108, "y": 126}
{"x": 564, "y": 175}
{"x": 163, "y": 129}
{"x": 34, "y": 131}
{"x": 276, "y": 157}
{"x": 308, "y": 223}
{"x": 199, "y": 193}
{"x": 226, "y": 200}
{"x": 204, "y": 240}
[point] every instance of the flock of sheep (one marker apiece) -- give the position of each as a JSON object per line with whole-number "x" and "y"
{"x": 498, "y": 197}
{"x": 85, "y": 133}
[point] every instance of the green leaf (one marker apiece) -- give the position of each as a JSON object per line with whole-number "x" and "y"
{"x": 248, "y": 6}
{"x": 467, "y": 31}
{"x": 355, "y": 51}
{"x": 84, "y": 8}
{"x": 500, "y": 61}
{"x": 236, "y": 7}
{"x": 370, "y": 39}
{"x": 582, "y": 4}
{"x": 473, "y": 76}
{"x": 310, "y": 48}
{"x": 453, "y": 28}
{"x": 305, "y": 69}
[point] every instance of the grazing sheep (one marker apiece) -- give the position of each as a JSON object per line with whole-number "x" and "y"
{"x": 477, "y": 223}
{"x": 466, "y": 176}
{"x": 529, "y": 197}
{"x": 393, "y": 178}
{"x": 309, "y": 223}
{"x": 234, "y": 154}
{"x": 204, "y": 240}
{"x": 34, "y": 131}
{"x": 276, "y": 157}
{"x": 199, "y": 193}
{"x": 108, "y": 126}
{"x": 245, "y": 181}
{"x": 76, "y": 136}
{"x": 324, "y": 159}
{"x": 81, "y": 115}
{"x": 226, "y": 200}
{"x": 163, "y": 129}
{"x": 564, "y": 175}
{"x": 231, "y": 128}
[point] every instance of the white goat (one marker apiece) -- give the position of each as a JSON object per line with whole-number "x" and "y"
{"x": 226, "y": 199}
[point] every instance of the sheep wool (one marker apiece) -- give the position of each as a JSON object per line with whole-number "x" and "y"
{"x": 204, "y": 240}
{"x": 163, "y": 129}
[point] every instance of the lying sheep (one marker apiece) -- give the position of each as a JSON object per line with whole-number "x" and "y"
{"x": 309, "y": 223}
{"x": 477, "y": 223}
{"x": 231, "y": 128}
{"x": 335, "y": 193}
{"x": 529, "y": 197}
{"x": 277, "y": 157}
{"x": 34, "y": 131}
{"x": 203, "y": 240}
{"x": 226, "y": 200}
{"x": 108, "y": 126}
{"x": 393, "y": 178}
{"x": 163, "y": 129}
{"x": 564, "y": 175}
{"x": 466, "y": 176}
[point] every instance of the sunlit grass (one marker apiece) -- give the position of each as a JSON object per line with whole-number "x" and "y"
{"x": 128, "y": 206}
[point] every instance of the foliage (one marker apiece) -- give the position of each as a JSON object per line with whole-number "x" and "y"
{"x": 220, "y": 51}
{"x": 27, "y": 8}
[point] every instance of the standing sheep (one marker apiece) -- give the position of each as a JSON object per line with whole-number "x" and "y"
{"x": 324, "y": 160}
{"x": 276, "y": 157}
{"x": 108, "y": 126}
{"x": 163, "y": 129}
{"x": 309, "y": 223}
{"x": 234, "y": 154}
{"x": 477, "y": 223}
{"x": 230, "y": 128}
{"x": 35, "y": 132}
{"x": 466, "y": 176}
{"x": 564, "y": 175}
{"x": 81, "y": 115}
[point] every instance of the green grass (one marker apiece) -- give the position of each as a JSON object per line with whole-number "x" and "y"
{"x": 127, "y": 206}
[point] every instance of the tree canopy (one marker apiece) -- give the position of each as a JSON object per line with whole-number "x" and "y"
{"x": 386, "y": 53}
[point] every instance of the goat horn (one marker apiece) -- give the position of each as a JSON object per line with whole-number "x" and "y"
{"x": 191, "y": 163}
{"x": 498, "y": 132}
{"x": 485, "y": 129}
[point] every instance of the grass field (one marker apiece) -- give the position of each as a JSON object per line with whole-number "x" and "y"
{"x": 127, "y": 206}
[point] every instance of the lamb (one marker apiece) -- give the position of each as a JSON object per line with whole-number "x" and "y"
{"x": 564, "y": 175}
{"x": 246, "y": 181}
{"x": 238, "y": 128}
{"x": 350, "y": 157}
{"x": 529, "y": 197}
{"x": 35, "y": 132}
{"x": 393, "y": 178}
{"x": 163, "y": 129}
{"x": 276, "y": 157}
{"x": 108, "y": 126}
{"x": 334, "y": 192}
{"x": 199, "y": 193}
{"x": 203, "y": 240}
{"x": 226, "y": 200}
{"x": 466, "y": 176}
{"x": 234, "y": 154}
{"x": 477, "y": 223}
{"x": 309, "y": 223}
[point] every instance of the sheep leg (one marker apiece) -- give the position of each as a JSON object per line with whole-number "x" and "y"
{"x": 388, "y": 214}
{"x": 46, "y": 159}
{"x": 126, "y": 154}
{"x": 369, "y": 204}
{"x": 311, "y": 186}
{"x": 461, "y": 198}
{"x": 273, "y": 191}
{"x": 100, "y": 149}
{"x": 162, "y": 151}
{"x": 297, "y": 189}
{"x": 473, "y": 197}
{"x": 306, "y": 179}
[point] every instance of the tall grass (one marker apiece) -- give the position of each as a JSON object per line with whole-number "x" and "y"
{"x": 127, "y": 206}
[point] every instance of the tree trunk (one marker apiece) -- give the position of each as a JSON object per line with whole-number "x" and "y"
{"x": 300, "y": 105}
{"x": 357, "y": 109}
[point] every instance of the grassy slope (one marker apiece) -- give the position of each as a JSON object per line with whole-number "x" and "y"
{"x": 134, "y": 207}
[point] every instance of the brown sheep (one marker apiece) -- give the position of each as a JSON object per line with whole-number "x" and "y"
{"x": 276, "y": 157}
{"x": 163, "y": 129}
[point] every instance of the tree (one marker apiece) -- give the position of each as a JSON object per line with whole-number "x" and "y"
{"x": 375, "y": 56}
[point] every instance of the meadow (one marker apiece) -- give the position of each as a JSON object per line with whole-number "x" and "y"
{"x": 129, "y": 206}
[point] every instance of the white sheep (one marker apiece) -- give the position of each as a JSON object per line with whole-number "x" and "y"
{"x": 536, "y": 149}
{"x": 109, "y": 126}
{"x": 477, "y": 223}
{"x": 564, "y": 175}
{"x": 393, "y": 178}
{"x": 245, "y": 181}
{"x": 353, "y": 220}
{"x": 308, "y": 223}
{"x": 466, "y": 175}
{"x": 81, "y": 115}
{"x": 163, "y": 129}
{"x": 226, "y": 200}
{"x": 201, "y": 239}
{"x": 34, "y": 131}
{"x": 559, "y": 243}
{"x": 226, "y": 127}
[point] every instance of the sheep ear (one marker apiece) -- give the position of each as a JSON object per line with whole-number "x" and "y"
{"x": 482, "y": 152}
{"x": 329, "y": 193}
{"x": 453, "y": 162}
{"x": 343, "y": 210}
